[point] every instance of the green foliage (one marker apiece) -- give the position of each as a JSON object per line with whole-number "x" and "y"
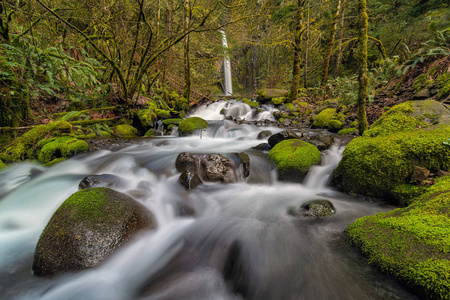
{"x": 295, "y": 155}
{"x": 190, "y": 125}
{"x": 411, "y": 243}
{"x": 346, "y": 131}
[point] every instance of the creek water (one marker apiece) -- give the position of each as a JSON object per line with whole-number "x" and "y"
{"x": 240, "y": 244}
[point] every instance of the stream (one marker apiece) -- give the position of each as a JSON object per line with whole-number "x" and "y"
{"x": 240, "y": 244}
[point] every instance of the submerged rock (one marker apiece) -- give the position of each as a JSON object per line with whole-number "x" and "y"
{"x": 318, "y": 209}
{"x": 209, "y": 167}
{"x": 102, "y": 180}
{"x": 264, "y": 134}
{"x": 86, "y": 228}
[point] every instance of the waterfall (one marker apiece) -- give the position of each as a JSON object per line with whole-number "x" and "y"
{"x": 228, "y": 88}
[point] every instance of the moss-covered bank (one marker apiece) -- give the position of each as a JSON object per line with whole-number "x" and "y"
{"x": 60, "y": 147}
{"x": 411, "y": 243}
{"x": 381, "y": 163}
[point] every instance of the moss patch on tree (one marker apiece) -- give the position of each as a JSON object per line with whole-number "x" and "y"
{"x": 411, "y": 243}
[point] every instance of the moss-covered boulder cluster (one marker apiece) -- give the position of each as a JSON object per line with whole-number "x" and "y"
{"x": 294, "y": 158}
{"x": 54, "y": 141}
{"x": 381, "y": 163}
{"x": 411, "y": 243}
{"x": 86, "y": 228}
{"x": 329, "y": 119}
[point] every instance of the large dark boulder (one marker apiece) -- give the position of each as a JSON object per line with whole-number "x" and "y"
{"x": 281, "y": 136}
{"x": 210, "y": 167}
{"x": 86, "y": 228}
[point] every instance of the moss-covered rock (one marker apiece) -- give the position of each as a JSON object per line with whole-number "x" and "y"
{"x": 279, "y": 100}
{"x": 60, "y": 147}
{"x": 162, "y": 114}
{"x": 86, "y": 228}
{"x": 347, "y": 131}
{"x": 126, "y": 130}
{"x": 168, "y": 122}
{"x": 265, "y": 95}
{"x": 2, "y": 165}
{"x": 294, "y": 158}
{"x": 411, "y": 243}
{"x": 147, "y": 116}
{"x": 250, "y": 103}
{"x": 25, "y": 146}
{"x": 329, "y": 119}
{"x": 190, "y": 125}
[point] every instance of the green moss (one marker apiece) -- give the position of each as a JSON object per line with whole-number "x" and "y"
{"x": 346, "y": 131}
{"x": 443, "y": 82}
{"x": 411, "y": 243}
{"x": 405, "y": 193}
{"x": 24, "y": 146}
{"x": 54, "y": 162}
{"x": 76, "y": 105}
{"x": 162, "y": 114}
{"x": 64, "y": 147}
{"x": 375, "y": 166}
{"x": 422, "y": 81}
{"x": 335, "y": 125}
{"x": 290, "y": 107}
{"x": 281, "y": 120}
{"x": 189, "y": 125}
{"x": 126, "y": 130}
{"x": 250, "y": 103}
{"x": 104, "y": 133}
{"x": 278, "y": 100}
{"x": 147, "y": 116}
{"x": 2, "y": 165}
{"x": 295, "y": 155}
{"x": 171, "y": 121}
{"x": 325, "y": 117}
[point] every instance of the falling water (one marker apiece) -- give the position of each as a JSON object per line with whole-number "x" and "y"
{"x": 240, "y": 242}
{"x": 228, "y": 88}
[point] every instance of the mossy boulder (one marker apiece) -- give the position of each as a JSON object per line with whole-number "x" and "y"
{"x": 24, "y": 147}
{"x": 126, "y": 130}
{"x": 2, "y": 165}
{"x": 190, "y": 125}
{"x": 329, "y": 119}
{"x": 250, "y": 103}
{"x": 168, "y": 122}
{"x": 411, "y": 243}
{"x": 279, "y": 100}
{"x": 162, "y": 114}
{"x": 60, "y": 147}
{"x": 86, "y": 228}
{"x": 146, "y": 117}
{"x": 347, "y": 131}
{"x": 265, "y": 95}
{"x": 294, "y": 158}
{"x": 384, "y": 158}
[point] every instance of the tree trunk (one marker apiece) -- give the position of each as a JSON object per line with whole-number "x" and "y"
{"x": 305, "y": 71}
{"x": 339, "y": 46}
{"x": 329, "y": 49}
{"x": 363, "y": 80}
{"x": 300, "y": 28}
{"x": 187, "y": 63}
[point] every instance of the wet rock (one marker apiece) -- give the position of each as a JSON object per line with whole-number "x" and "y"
{"x": 442, "y": 173}
{"x": 103, "y": 180}
{"x": 321, "y": 146}
{"x": 265, "y": 95}
{"x": 262, "y": 147}
{"x": 245, "y": 161}
{"x": 86, "y": 228}
{"x": 209, "y": 167}
{"x": 319, "y": 209}
{"x": 419, "y": 174}
{"x": 281, "y": 136}
{"x": 235, "y": 272}
{"x": 185, "y": 210}
{"x": 189, "y": 180}
{"x": 264, "y": 134}
{"x": 422, "y": 95}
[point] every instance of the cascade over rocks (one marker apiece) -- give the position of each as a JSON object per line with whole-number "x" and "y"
{"x": 209, "y": 167}
{"x": 86, "y": 228}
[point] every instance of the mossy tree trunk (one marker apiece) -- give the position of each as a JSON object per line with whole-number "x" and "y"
{"x": 363, "y": 79}
{"x": 329, "y": 49}
{"x": 298, "y": 36}
{"x": 339, "y": 46}
{"x": 187, "y": 63}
